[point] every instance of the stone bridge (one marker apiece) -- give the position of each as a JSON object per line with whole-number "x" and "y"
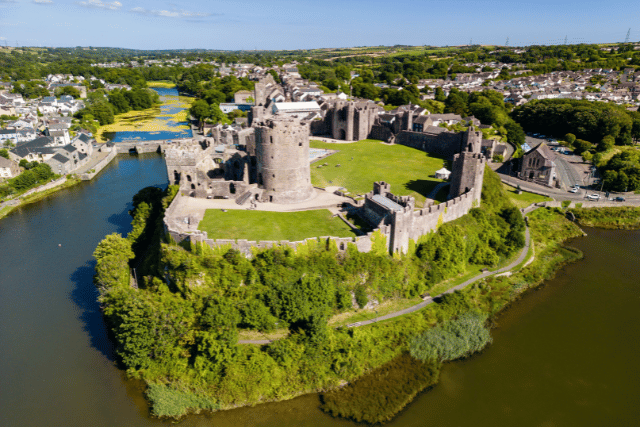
{"x": 138, "y": 147}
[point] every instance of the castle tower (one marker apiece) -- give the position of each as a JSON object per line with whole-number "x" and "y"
{"x": 343, "y": 121}
{"x": 282, "y": 152}
{"x": 468, "y": 166}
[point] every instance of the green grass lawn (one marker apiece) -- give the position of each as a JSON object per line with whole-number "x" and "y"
{"x": 259, "y": 225}
{"x": 409, "y": 171}
{"x": 525, "y": 199}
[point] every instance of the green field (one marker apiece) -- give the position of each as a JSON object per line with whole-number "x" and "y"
{"x": 260, "y": 225}
{"x": 409, "y": 171}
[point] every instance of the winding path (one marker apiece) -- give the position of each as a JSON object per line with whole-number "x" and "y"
{"x": 429, "y": 300}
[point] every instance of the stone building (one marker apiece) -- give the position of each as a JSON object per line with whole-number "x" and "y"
{"x": 282, "y": 153}
{"x": 538, "y": 165}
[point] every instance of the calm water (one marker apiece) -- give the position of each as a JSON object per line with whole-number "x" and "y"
{"x": 565, "y": 355}
{"x": 165, "y": 95}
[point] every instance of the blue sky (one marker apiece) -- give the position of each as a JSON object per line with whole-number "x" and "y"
{"x": 299, "y": 24}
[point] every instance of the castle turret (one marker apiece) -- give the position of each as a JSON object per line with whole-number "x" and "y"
{"x": 468, "y": 166}
{"x": 282, "y": 152}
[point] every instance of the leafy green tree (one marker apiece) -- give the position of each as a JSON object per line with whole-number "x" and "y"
{"x": 606, "y": 143}
{"x": 200, "y": 110}
{"x": 580, "y": 146}
{"x": 570, "y": 138}
{"x": 4, "y": 153}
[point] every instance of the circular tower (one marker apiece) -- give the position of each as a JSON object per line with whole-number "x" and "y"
{"x": 282, "y": 152}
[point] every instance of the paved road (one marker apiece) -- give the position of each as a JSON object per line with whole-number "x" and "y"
{"x": 521, "y": 258}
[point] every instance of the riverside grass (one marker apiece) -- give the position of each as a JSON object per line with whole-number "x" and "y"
{"x": 622, "y": 218}
{"x": 380, "y": 394}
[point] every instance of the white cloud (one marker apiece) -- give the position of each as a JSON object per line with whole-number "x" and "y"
{"x": 98, "y": 4}
{"x": 43, "y": 1}
{"x": 8, "y": 1}
{"x": 3, "y": 38}
{"x": 174, "y": 13}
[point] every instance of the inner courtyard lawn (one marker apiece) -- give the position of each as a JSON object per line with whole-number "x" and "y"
{"x": 409, "y": 171}
{"x": 261, "y": 225}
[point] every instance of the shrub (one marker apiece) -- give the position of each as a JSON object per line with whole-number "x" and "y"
{"x": 452, "y": 340}
{"x": 361, "y": 296}
{"x": 169, "y": 402}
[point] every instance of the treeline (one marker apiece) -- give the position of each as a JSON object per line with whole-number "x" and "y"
{"x": 116, "y": 102}
{"x": 590, "y": 121}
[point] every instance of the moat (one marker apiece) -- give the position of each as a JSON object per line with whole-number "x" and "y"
{"x": 563, "y": 355}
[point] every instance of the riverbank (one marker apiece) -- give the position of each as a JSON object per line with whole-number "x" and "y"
{"x": 38, "y": 193}
{"x": 613, "y": 218}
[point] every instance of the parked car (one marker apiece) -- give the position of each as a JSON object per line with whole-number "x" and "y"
{"x": 574, "y": 190}
{"x": 593, "y": 197}
{"x": 619, "y": 199}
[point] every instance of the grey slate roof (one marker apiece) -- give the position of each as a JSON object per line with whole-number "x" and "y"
{"x": 60, "y": 158}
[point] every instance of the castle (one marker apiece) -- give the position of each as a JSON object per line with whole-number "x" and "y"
{"x": 269, "y": 163}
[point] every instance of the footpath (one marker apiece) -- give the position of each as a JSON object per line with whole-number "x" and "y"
{"x": 430, "y": 300}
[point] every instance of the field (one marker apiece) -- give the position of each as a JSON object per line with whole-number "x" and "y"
{"x": 409, "y": 171}
{"x": 260, "y": 225}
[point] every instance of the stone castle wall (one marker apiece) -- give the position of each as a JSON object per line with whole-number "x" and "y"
{"x": 444, "y": 144}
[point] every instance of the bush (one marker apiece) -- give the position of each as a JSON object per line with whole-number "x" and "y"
{"x": 361, "y": 296}
{"x": 498, "y": 158}
{"x": 454, "y": 339}
{"x": 169, "y": 402}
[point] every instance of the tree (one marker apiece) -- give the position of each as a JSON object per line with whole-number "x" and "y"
{"x": 4, "y": 153}
{"x": 570, "y": 138}
{"x": 606, "y": 143}
{"x": 580, "y": 146}
{"x": 200, "y": 110}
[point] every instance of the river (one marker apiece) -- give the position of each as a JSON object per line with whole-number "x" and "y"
{"x": 564, "y": 355}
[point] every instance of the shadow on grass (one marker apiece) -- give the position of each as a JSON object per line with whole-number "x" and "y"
{"x": 85, "y": 296}
{"x": 421, "y": 186}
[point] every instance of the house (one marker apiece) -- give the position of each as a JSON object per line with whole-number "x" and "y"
{"x": 8, "y": 168}
{"x": 449, "y": 119}
{"x": 83, "y": 143}
{"x": 243, "y": 97}
{"x": 295, "y": 107}
{"x": 8, "y": 135}
{"x": 538, "y": 165}
{"x": 39, "y": 149}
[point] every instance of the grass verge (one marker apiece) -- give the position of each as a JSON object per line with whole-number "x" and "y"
{"x": 525, "y": 199}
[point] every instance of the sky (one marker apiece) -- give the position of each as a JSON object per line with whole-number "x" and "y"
{"x": 303, "y": 24}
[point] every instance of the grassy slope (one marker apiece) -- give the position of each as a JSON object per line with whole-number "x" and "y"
{"x": 259, "y": 225}
{"x": 409, "y": 171}
{"x": 525, "y": 199}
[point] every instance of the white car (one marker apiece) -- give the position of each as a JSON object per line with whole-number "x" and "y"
{"x": 593, "y": 197}
{"x": 574, "y": 190}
